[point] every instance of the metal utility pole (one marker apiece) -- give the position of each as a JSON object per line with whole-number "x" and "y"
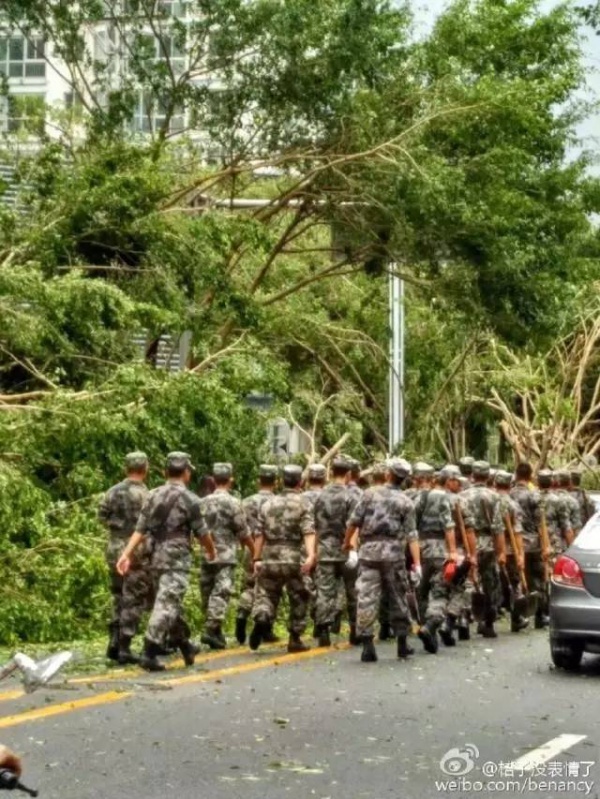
{"x": 396, "y": 377}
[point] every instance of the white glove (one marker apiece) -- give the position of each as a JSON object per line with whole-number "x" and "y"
{"x": 416, "y": 575}
{"x": 352, "y": 561}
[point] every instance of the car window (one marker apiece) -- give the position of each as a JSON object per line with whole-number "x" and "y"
{"x": 589, "y": 537}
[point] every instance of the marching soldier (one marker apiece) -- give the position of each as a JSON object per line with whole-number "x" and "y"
{"x": 483, "y": 521}
{"x": 562, "y": 488}
{"x": 119, "y": 511}
{"x": 458, "y": 611}
{"x": 513, "y": 515}
{"x": 555, "y": 515}
{"x": 267, "y": 480}
{"x": 317, "y": 477}
{"x": 382, "y": 525}
{"x": 285, "y": 529}
{"x": 529, "y": 501}
{"x": 435, "y": 526}
{"x": 170, "y": 517}
{"x": 332, "y": 510}
{"x": 586, "y": 506}
{"x": 223, "y": 517}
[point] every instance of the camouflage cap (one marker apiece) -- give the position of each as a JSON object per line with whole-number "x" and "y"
{"x": 222, "y": 470}
{"x": 399, "y": 467}
{"x": 292, "y": 471}
{"x": 422, "y": 469}
{"x": 450, "y": 472}
{"x": 466, "y": 465}
{"x": 481, "y": 469}
{"x": 340, "y": 463}
{"x": 268, "y": 470}
{"x": 503, "y": 479}
{"x": 136, "y": 461}
{"x": 353, "y": 464}
{"x": 544, "y": 478}
{"x": 316, "y": 471}
{"x": 562, "y": 477}
{"x": 179, "y": 460}
{"x": 379, "y": 469}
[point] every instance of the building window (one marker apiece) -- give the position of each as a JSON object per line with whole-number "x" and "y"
{"x": 22, "y": 58}
{"x": 25, "y": 114}
{"x": 150, "y": 115}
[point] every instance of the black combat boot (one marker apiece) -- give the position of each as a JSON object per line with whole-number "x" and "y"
{"x": 296, "y": 644}
{"x": 480, "y": 627}
{"x": 464, "y": 629}
{"x": 488, "y": 630}
{"x": 257, "y": 636}
{"x": 269, "y": 636}
{"x": 324, "y": 637}
{"x": 126, "y": 656}
{"x": 353, "y": 638}
{"x": 112, "y": 650}
{"x": 240, "y": 629}
{"x": 541, "y": 620}
{"x": 404, "y": 650}
{"x": 446, "y": 631}
{"x": 518, "y": 623}
{"x": 336, "y": 627}
{"x": 148, "y": 660}
{"x": 385, "y": 632}
{"x": 428, "y": 635}
{"x": 189, "y": 652}
{"x": 369, "y": 653}
{"x": 213, "y": 637}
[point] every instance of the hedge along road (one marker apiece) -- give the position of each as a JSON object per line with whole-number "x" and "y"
{"x": 317, "y": 724}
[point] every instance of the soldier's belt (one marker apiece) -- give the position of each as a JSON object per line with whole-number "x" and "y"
{"x": 177, "y": 535}
{"x": 436, "y": 535}
{"x": 366, "y": 539}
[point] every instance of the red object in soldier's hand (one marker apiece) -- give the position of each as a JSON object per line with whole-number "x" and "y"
{"x": 449, "y": 571}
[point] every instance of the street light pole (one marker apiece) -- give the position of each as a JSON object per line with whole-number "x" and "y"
{"x": 396, "y": 374}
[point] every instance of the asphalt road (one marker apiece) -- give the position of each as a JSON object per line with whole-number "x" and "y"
{"x": 268, "y": 726}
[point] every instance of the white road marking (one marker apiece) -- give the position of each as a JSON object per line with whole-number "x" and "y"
{"x": 546, "y": 752}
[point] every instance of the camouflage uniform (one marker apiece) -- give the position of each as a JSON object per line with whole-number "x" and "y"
{"x": 223, "y": 517}
{"x": 386, "y": 522}
{"x": 131, "y": 595}
{"x": 481, "y": 512}
{"x": 332, "y": 511}
{"x": 170, "y": 517}
{"x": 530, "y": 502}
{"x": 283, "y": 521}
{"x": 572, "y": 508}
{"x": 252, "y": 506}
{"x": 434, "y": 517}
{"x": 557, "y": 519}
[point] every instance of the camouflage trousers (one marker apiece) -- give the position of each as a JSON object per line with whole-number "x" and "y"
{"x": 534, "y": 573}
{"x": 433, "y": 592}
{"x": 491, "y": 586}
{"x": 217, "y": 582}
{"x": 138, "y": 595}
{"x": 270, "y": 582}
{"x": 330, "y": 577}
{"x": 166, "y": 620}
{"x": 376, "y": 578}
{"x": 114, "y": 551}
{"x": 246, "y": 601}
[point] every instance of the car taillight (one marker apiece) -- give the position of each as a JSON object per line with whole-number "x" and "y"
{"x": 567, "y": 572}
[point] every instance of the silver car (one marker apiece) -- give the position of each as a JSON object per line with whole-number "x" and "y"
{"x": 575, "y": 599}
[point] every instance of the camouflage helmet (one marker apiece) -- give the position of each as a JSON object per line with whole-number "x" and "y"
{"x": 466, "y": 465}
{"x": 268, "y": 471}
{"x": 224, "y": 471}
{"x": 449, "y": 472}
{"x": 422, "y": 469}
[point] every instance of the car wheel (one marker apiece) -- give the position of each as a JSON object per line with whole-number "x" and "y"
{"x": 566, "y": 655}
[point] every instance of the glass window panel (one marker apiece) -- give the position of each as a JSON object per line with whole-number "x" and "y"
{"x": 16, "y": 50}
{"x": 3, "y": 49}
{"x": 15, "y": 70}
{"x": 35, "y": 70}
